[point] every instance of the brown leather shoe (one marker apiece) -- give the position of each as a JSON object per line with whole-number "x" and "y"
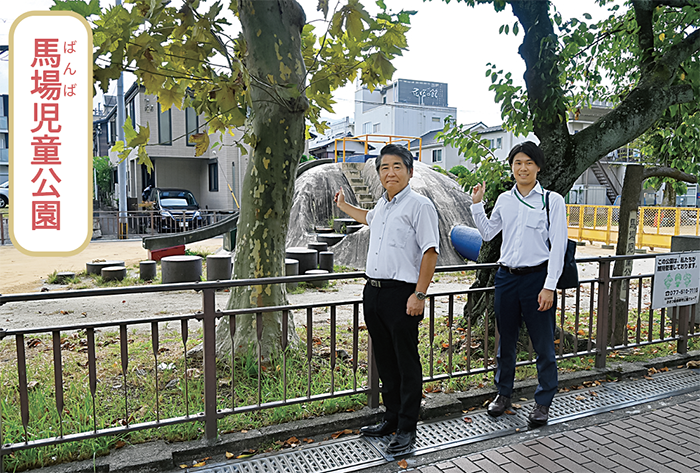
{"x": 539, "y": 416}
{"x": 498, "y": 406}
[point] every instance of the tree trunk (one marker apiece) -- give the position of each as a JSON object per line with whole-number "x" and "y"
{"x": 627, "y": 233}
{"x": 272, "y": 30}
{"x": 669, "y": 199}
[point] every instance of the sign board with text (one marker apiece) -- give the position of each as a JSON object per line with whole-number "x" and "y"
{"x": 51, "y": 133}
{"x": 676, "y": 279}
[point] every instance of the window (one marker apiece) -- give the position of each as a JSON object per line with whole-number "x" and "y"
{"x": 436, "y": 119}
{"x": 367, "y": 128}
{"x": 165, "y": 133}
{"x": 376, "y": 127}
{"x": 112, "y": 130}
{"x": 131, "y": 112}
{"x": 499, "y": 143}
{"x": 213, "y": 176}
{"x": 437, "y": 155}
{"x": 191, "y": 124}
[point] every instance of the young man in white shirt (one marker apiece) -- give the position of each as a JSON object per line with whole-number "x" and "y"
{"x": 403, "y": 251}
{"x": 527, "y": 280}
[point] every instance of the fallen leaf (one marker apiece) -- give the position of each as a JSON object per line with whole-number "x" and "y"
{"x": 183, "y": 466}
{"x": 309, "y": 440}
{"x": 509, "y": 412}
{"x": 580, "y": 398}
{"x": 198, "y": 464}
{"x": 517, "y": 406}
{"x": 468, "y": 420}
{"x": 229, "y": 455}
{"x": 32, "y": 384}
{"x": 403, "y": 464}
{"x": 338, "y": 434}
{"x": 120, "y": 444}
{"x": 649, "y": 378}
{"x": 594, "y": 394}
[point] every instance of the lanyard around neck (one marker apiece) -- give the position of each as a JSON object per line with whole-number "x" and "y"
{"x": 517, "y": 194}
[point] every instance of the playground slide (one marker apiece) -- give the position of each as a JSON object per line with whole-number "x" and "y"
{"x": 466, "y": 241}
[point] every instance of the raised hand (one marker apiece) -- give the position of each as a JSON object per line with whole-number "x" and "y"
{"x": 339, "y": 198}
{"x": 478, "y": 192}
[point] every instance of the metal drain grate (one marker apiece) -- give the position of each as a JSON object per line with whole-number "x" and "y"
{"x": 334, "y": 456}
{"x": 357, "y": 453}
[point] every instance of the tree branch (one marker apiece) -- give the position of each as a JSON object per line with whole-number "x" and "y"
{"x": 538, "y": 50}
{"x": 644, "y": 14}
{"x": 665, "y": 171}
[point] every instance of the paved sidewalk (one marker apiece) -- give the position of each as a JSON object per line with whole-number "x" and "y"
{"x": 663, "y": 440}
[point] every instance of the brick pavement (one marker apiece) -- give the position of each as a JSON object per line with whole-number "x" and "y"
{"x": 664, "y": 440}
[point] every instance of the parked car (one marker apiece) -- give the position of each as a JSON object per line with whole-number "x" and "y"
{"x": 4, "y": 194}
{"x": 177, "y": 209}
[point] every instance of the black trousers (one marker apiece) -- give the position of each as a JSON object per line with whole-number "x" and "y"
{"x": 395, "y": 341}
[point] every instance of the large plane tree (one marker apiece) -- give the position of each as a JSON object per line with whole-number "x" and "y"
{"x": 270, "y": 75}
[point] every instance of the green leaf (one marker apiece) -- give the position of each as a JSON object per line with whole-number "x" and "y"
{"x": 80, "y": 7}
{"x": 323, "y": 7}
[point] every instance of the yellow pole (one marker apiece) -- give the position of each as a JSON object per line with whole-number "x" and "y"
{"x": 677, "y": 230}
{"x": 608, "y": 237}
{"x": 640, "y": 230}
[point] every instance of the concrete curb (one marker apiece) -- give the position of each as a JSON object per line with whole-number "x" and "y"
{"x": 160, "y": 456}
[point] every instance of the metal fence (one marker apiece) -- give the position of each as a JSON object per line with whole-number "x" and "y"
{"x": 655, "y": 225}
{"x": 80, "y": 394}
{"x": 148, "y": 222}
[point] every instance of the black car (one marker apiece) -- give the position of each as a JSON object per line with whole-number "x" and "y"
{"x": 177, "y": 208}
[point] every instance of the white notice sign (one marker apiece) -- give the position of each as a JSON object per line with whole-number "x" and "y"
{"x": 676, "y": 279}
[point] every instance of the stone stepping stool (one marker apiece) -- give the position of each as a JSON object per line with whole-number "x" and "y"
{"x": 113, "y": 273}
{"x": 95, "y": 267}
{"x": 181, "y": 269}
{"x": 353, "y": 228}
{"x": 315, "y": 272}
{"x": 218, "y": 267}
{"x": 291, "y": 268}
{"x": 308, "y": 258}
{"x": 330, "y": 238}
{"x": 325, "y": 260}
{"x": 323, "y": 230}
{"x": 318, "y": 246}
{"x": 63, "y": 277}
{"x": 148, "y": 270}
{"x": 340, "y": 224}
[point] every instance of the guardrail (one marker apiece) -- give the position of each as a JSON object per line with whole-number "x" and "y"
{"x": 655, "y": 225}
{"x": 77, "y": 410}
{"x": 148, "y": 222}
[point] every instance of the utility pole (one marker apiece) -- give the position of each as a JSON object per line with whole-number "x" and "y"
{"x": 121, "y": 169}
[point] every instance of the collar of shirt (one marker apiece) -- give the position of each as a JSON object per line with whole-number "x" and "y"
{"x": 537, "y": 189}
{"x": 398, "y": 197}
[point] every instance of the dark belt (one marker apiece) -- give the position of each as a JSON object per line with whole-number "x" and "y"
{"x": 526, "y": 269}
{"x": 386, "y": 282}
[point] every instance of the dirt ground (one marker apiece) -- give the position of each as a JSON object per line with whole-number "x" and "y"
{"x": 24, "y": 274}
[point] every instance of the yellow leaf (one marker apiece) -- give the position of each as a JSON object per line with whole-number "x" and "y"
{"x": 197, "y": 465}
{"x": 403, "y": 464}
{"x": 229, "y": 455}
{"x": 202, "y": 143}
{"x": 662, "y": 36}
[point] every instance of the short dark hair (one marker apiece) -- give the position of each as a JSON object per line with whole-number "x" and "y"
{"x": 397, "y": 150}
{"x": 531, "y": 150}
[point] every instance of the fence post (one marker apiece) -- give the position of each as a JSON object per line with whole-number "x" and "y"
{"x": 209, "y": 323}
{"x": 601, "y": 343}
{"x": 372, "y": 378}
{"x": 683, "y": 322}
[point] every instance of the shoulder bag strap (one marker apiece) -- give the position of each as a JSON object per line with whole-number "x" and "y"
{"x": 549, "y": 244}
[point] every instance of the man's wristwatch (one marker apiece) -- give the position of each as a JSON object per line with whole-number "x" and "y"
{"x": 420, "y": 295}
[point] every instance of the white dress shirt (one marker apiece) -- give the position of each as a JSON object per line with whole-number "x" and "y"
{"x": 525, "y": 231}
{"x": 401, "y": 231}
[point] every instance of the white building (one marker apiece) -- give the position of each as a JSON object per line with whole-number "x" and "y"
{"x": 402, "y": 108}
{"x": 208, "y": 176}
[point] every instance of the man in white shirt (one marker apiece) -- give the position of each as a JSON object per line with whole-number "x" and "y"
{"x": 403, "y": 251}
{"x": 527, "y": 280}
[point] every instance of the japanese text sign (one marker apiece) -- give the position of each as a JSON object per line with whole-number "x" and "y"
{"x": 51, "y": 133}
{"x": 676, "y": 279}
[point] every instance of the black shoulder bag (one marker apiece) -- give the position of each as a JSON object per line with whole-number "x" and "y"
{"x": 569, "y": 273}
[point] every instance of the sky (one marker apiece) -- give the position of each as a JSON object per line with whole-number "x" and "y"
{"x": 449, "y": 43}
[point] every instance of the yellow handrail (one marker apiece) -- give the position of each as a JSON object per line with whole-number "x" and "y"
{"x": 655, "y": 225}
{"x": 367, "y": 139}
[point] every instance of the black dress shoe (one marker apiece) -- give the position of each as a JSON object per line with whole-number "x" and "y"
{"x": 498, "y": 406}
{"x": 379, "y": 430}
{"x": 401, "y": 441}
{"x": 539, "y": 415}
